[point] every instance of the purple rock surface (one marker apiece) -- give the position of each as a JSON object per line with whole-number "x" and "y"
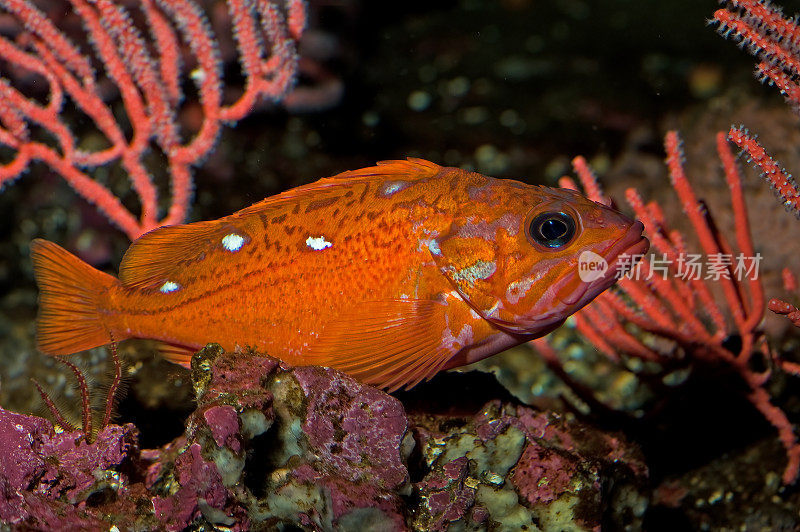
{"x": 270, "y": 446}
{"x": 356, "y": 430}
{"x": 224, "y": 424}
{"x": 512, "y": 467}
{"x": 200, "y": 491}
{"x": 53, "y": 477}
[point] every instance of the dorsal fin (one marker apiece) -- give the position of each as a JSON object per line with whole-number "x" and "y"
{"x": 410, "y": 169}
{"x": 159, "y": 256}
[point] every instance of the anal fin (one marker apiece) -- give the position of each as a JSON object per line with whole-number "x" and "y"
{"x": 177, "y": 354}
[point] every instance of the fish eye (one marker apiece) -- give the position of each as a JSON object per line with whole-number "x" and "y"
{"x": 552, "y": 229}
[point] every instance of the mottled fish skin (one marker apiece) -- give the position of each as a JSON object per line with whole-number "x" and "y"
{"x": 391, "y": 273}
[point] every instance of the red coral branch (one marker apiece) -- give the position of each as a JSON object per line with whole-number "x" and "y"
{"x": 682, "y": 311}
{"x": 778, "y": 306}
{"x": 781, "y": 181}
{"x": 148, "y": 75}
{"x": 792, "y": 313}
{"x": 761, "y": 28}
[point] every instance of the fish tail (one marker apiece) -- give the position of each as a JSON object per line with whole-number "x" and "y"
{"x": 69, "y": 292}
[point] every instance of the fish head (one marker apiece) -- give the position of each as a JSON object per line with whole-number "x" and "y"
{"x": 526, "y": 257}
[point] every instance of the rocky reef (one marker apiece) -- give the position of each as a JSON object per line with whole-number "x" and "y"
{"x": 271, "y": 447}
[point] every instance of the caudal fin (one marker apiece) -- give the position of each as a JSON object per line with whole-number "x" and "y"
{"x": 69, "y": 318}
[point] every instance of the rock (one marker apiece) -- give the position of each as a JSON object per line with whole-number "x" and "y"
{"x": 306, "y": 447}
{"x": 511, "y": 467}
{"x": 276, "y": 447}
{"x": 739, "y": 490}
{"x": 59, "y": 480}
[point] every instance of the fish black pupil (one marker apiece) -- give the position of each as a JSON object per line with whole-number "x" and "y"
{"x": 552, "y": 229}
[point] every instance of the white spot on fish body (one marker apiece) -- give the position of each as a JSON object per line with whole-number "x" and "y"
{"x": 393, "y": 186}
{"x": 169, "y": 286}
{"x": 479, "y": 270}
{"x": 233, "y": 242}
{"x": 454, "y": 343}
{"x": 487, "y": 230}
{"x": 519, "y": 289}
{"x": 433, "y": 246}
{"x": 317, "y": 243}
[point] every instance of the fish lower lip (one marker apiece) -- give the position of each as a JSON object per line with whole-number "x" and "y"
{"x": 631, "y": 237}
{"x": 631, "y": 244}
{"x": 635, "y": 250}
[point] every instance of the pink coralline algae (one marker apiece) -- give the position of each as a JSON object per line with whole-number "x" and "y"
{"x": 334, "y": 448}
{"x": 200, "y": 491}
{"x": 59, "y": 480}
{"x": 512, "y": 466}
{"x": 340, "y": 425}
{"x": 450, "y": 496}
{"x": 273, "y": 447}
{"x": 224, "y": 424}
{"x": 542, "y": 474}
{"x": 356, "y": 433}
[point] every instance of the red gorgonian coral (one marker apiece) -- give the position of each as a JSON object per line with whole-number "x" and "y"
{"x": 678, "y": 310}
{"x": 145, "y": 54}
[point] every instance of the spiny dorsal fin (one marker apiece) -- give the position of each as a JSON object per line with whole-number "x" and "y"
{"x": 156, "y": 257}
{"x": 411, "y": 169}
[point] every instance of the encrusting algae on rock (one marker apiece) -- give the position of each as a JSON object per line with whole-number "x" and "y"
{"x": 390, "y": 273}
{"x": 314, "y": 448}
{"x": 275, "y": 448}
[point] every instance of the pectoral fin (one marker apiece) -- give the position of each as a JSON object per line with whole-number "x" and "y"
{"x": 389, "y": 344}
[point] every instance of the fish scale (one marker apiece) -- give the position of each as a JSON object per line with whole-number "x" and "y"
{"x": 391, "y": 273}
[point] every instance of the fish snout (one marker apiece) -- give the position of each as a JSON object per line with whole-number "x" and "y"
{"x": 598, "y": 271}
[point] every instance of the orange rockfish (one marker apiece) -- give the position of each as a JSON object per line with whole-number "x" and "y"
{"x": 390, "y": 273}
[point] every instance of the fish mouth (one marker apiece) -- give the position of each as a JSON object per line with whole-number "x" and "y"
{"x": 629, "y": 247}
